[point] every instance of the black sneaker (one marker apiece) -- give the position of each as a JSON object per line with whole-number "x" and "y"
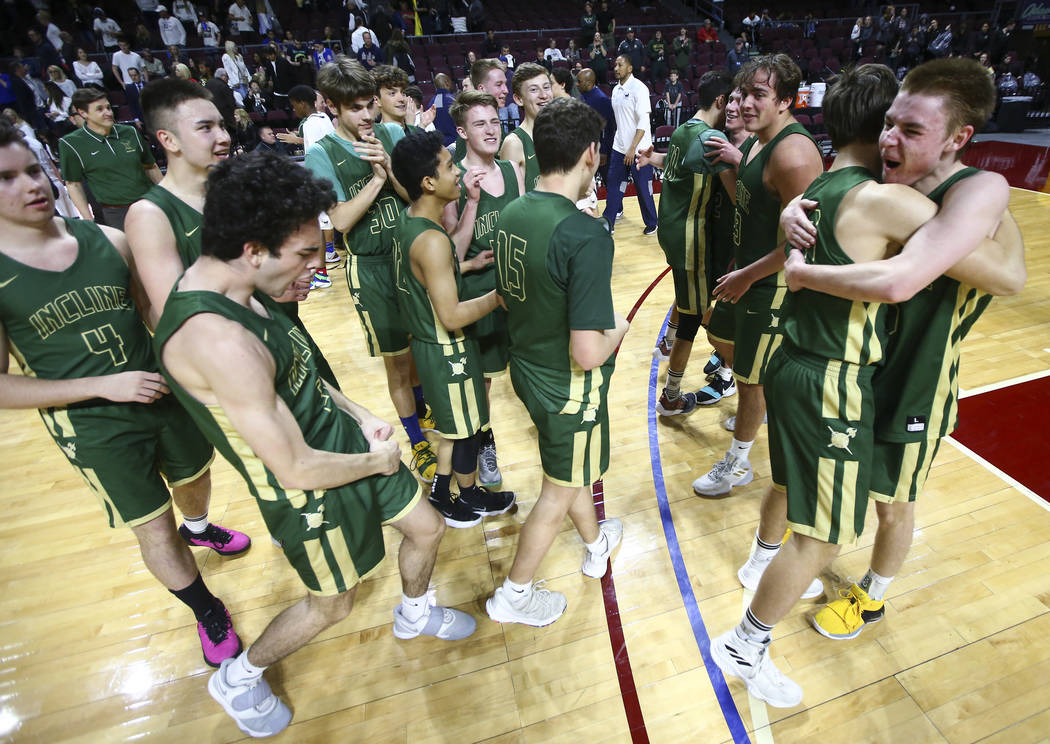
{"x": 457, "y": 513}
{"x": 649, "y": 230}
{"x": 485, "y": 502}
{"x": 715, "y": 390}
{"x": 712, "y": 364}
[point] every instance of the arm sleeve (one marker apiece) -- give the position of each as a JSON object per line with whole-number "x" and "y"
{"x": 318, "y": 163}
{"x": 581, "y": 261}
{"x": 694, "y": 159}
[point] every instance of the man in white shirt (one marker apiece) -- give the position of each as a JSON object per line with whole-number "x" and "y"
{"x": 171, "y": 29}
{"x": 631, "y": 107}
{"x": 107, "y": 28}
{"x": 357, "y": 38}
{"x": 240, "y": 17}
{"x": 124, "y": 59}
{"x": 552, "y": 53}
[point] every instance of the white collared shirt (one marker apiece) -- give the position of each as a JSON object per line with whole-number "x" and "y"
{"x": 631, "y": 107}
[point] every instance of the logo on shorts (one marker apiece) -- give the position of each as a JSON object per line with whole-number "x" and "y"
{"x": 590, "y": 415}
{"x": 840, "y": 439}
{"x": 314, "y": 520}
{"x": 458, "y": 368}
{"x": 356, "y": 298}
{"x": 70, "y": 450}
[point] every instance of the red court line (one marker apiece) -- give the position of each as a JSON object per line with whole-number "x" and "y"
{"x": 1006, "y": 428}
{"x": 628, "y": 690}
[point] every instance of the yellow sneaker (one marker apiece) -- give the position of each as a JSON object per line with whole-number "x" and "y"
{"x": 427, "y": 421}
{"x": 846, "y": 617}
{"x": 424, "y": 462}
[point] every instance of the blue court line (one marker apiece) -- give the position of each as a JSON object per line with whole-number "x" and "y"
{"x": 685, "y": 586}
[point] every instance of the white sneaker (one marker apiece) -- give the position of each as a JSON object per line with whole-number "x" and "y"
{"x": 750, "y": 662}
{"x": 727, "y": 472}
{"x": 440, "y": 622}
{"x": 537, "y": 608}
{"x": 730, "y": 423}
{"x": 252, "y": 705}
{"x": 751, "y": 573}
{"x": 331, "y": 256}
{"x": 596, "y": 564}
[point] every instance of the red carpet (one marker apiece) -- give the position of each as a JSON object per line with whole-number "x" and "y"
{"x": 1006, "y": 428}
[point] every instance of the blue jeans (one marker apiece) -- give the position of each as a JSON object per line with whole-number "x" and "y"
{"x": 616, "y": 185}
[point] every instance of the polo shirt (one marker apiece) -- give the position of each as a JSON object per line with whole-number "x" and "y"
{"x": 112, "y": 165}
{"x": 631, "y": 108}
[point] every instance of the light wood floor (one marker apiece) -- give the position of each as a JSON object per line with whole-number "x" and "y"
{"x": 94, "y": 650}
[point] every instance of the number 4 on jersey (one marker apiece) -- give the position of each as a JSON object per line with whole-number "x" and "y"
{"x": 105, "y": 340}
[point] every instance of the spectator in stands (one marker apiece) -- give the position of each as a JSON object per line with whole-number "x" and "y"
{"x": 123, "y": 60}
{"x": 266, "y": 17}
{"x": 470, "y": 59}
{"x": 397, "y": 53}
{"x": 142, "y": 38}
{"x": 87, "y": 70}
{"x": 963, "y": 41}
{"x": 58, "y": 76}
{"x": 983, "y": 38}
{"x": 682, "y": 47}
{"x": 903, "y": 23}
{"x": 408, "y": 18}
{"x": 458, "y": 20}
{"x": 854, "y": 36}
{"x": 673, "y": 100}
{"x": 809, "y": 26}
{"x": 490, "y": 46}
{"x": 572, "y": 52}
{"x": 506, "y": 57}
{"x": 369, "y": 54}
{"x": 240, "y": 20}
{"x": 236, "y": 71}
{"x": 268, "y": 141}
{"x": 292, "y": 45}
{"x": 57, "y": 111}
{"x": 68, "y": 50}
{"x": 209, "y": 31}
{"x": 322, "y": 55}
{"x": 280, "y": 75}
{"x": 132, "y": 93}
{"x": 221, "y": 94}
{"x": 50, "y": 31}
{"x": 736, "y": 57}
{"x": 633, "y": 48}
{"x": 154, "y": 67}
{"x": 357, "y": 38}
{"x": 186, "y": 13}
{"x": 25, "y": 98}
{"x": 106, "y": 29}
{"x": 476, "y": 18}
{"x": 182, "y": 71}
{"x": 886, "y": 28}
{"x": 606, "y": 25}
{"x": 1002, "y": 41}
{"x": 170, "y": 27}
{"x": 441, "y": 102}
{"x": 258, "y": 101}
{"x": 593, "y": 96}
{"x": 148, "y": 9}
{"x": 656, "y": 52}
{"x": 986, "y": 63}
{"x": 588, "y": 24}
{"x": 43, "y": 50}
{"x": 542, "y": 61}
{"x": 941, "y": 46}
{"x": 707, "y": 33}
{"x": 599, "y": 55}
{"x": 552, "y": 53}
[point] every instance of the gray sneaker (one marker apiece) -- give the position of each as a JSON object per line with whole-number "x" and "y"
{"x": 596, "y": 564}
{"x": 252, "y": 705}
{"x": 488, "y": 469}
{"x": 537, "y": 608}
{"x": 440, "y": 622}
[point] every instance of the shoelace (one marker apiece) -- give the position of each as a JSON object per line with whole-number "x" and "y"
{"x": 488, "y": 456}
{"x": 216, "y": 626}
{"x": 216, "y": 534}
{"x": 722, "y": 467}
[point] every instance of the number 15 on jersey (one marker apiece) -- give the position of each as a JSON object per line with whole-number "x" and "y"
{"x": 510, "y": 265}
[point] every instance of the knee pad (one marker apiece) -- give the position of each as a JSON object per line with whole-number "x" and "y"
{"x": 465, "y": 454}
{"x": 688, "y": 325}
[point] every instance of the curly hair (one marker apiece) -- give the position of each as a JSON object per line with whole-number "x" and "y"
{"x": 782, "y": 74}
{"x": 388, "y": 76}
{"x": 258, "y": 198}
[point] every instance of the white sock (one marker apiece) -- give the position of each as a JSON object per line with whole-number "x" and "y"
{"x": 241, "y": 670}
{"x": 876, "y": 585}
{"x": 753, "y": 629}
{"x": 196, "y": 525}
{"x": 600, "y": 545}
{"x": 764, "y": 552}
{"x": 740, "y": 450}
{"x": 413, "y": 608}
{"x": 726, "y": 373}
{"x": 517, "y": 591}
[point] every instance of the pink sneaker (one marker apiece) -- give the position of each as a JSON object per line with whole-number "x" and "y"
{"x": 223, "y": 541}
{"x": 219, "y": 641}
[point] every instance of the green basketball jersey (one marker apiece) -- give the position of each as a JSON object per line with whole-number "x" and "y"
{"x": 80, "y": 322}
{"x": 833, "y": 327}
{"x": 417, "y": 312}
{"x": 756, "y": 230}
{"x": 689, "y": 182}
{"x": 185, "y": 222}
{"x": 917, "y": 388}
{"x": 554, "y": 267}
{"x": 532, "y": 165}
{"x": 372, "y": 234}
{"x": 324, "y": 425}
{"x": 489, "y": 208}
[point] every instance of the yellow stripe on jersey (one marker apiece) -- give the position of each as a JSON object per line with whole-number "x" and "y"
{"x": 594, "y": 457}
{"x": 861, "y": 330}
{"x": 319, "y": 565}
{"x": 257, "y": 472}
{"x": 92, "y": 481}
{"x": 841, "y": 376}
{"x": 473, "y": 412}
{"x": 847, "y": 500}
{"x": 341, "y": 555}
{"x": 579, "y": 456}
{"x": 21, "y": 360}
{"x": 825, "y": 488}
{"x": 573, "y": 403}
{"x": 455, "y": 398}
{"x": 947, "y": 383}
